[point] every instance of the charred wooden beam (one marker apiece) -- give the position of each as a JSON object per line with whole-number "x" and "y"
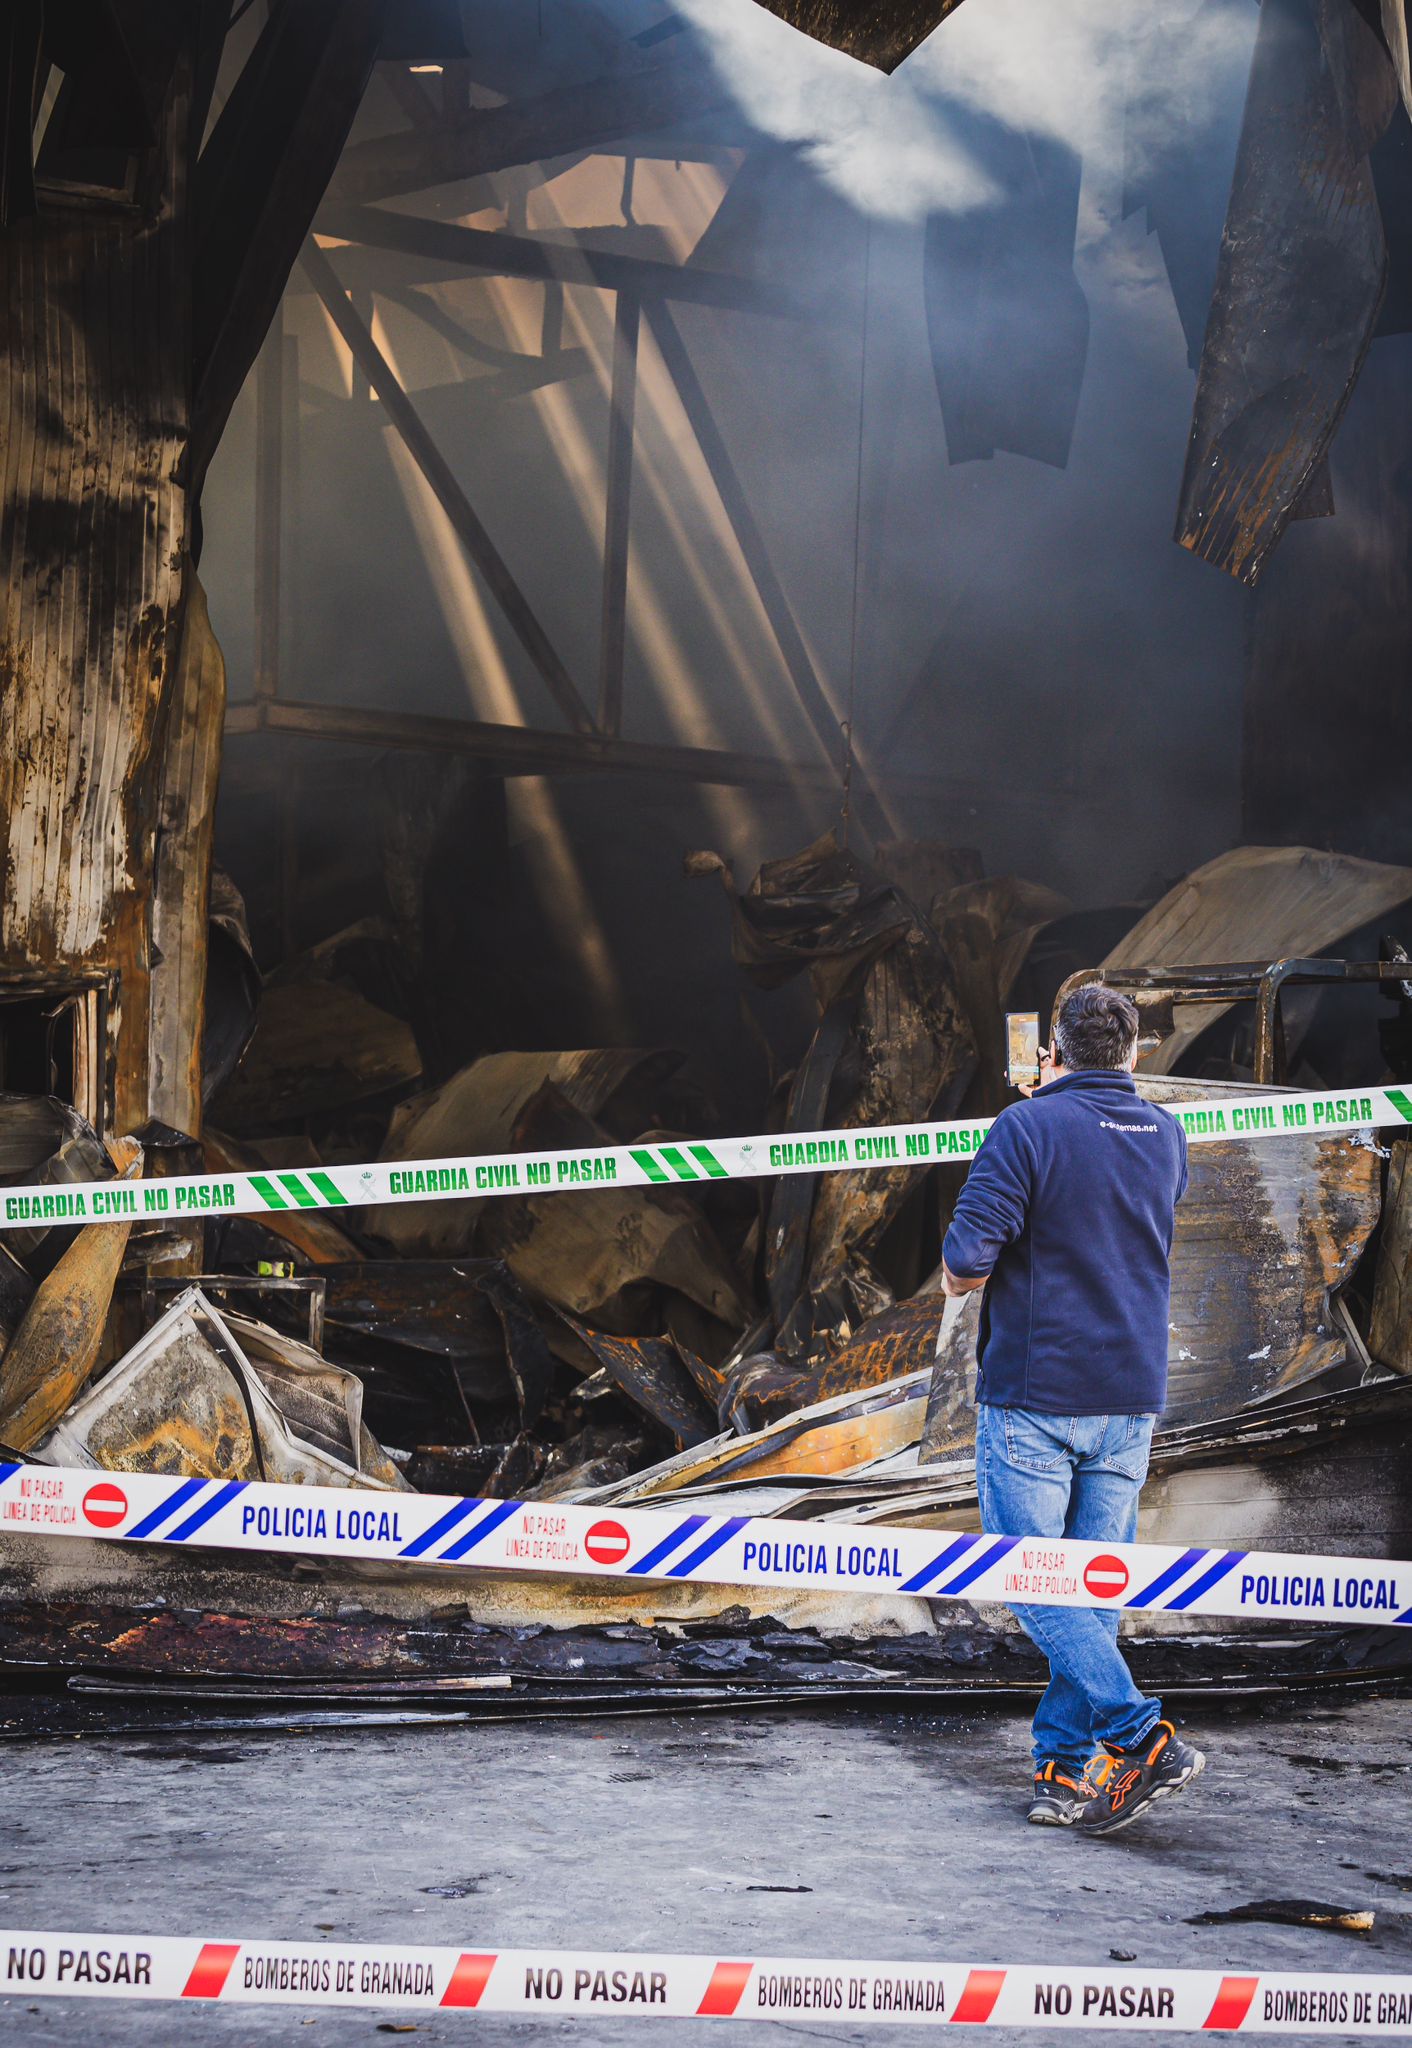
{"x": 473, "y": 397}
{"x": 616, "y": 520}
{"x": 500, "y": 254}
{"x": 360, "y": 391}
{"x": 551, "y": 323}
{"x": 481, "y": 397}
{"x": 260, "y": 177}
{"x": 524, "y": 750}
{"x": 518, "y": 371}
{"x": 1298, "y": 284}
{"x": 449, "y": 494}
{"x": 572, "y": 117}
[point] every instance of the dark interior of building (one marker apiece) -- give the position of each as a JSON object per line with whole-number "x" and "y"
{"x": 610, "y": 572}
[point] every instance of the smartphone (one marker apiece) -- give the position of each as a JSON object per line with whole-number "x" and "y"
{"x": 1022, "y": 1046}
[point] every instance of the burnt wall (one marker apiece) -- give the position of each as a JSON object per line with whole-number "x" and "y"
{"x": 94, "y": 403}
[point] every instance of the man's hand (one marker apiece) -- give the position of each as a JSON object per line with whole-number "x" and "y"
{"x": 1049, "y": 1070}
{"x": 952, "y": 1286}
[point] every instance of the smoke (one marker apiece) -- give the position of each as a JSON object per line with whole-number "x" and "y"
{"x": 1029, "y": 633}
{"x": 895, "y": 147}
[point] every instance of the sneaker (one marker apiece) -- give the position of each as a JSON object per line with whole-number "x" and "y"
{"x": 1123, "y": 1782}
{"x": 1059, "y": 1798}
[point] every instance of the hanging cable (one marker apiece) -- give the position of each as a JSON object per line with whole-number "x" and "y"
{"x": 846, "y": 728}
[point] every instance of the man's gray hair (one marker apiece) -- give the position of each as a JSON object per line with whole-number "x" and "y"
{"x": 1095, "y": 1027}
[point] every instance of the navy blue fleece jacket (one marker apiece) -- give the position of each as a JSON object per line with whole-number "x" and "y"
{"x": 1068, "y": 1207}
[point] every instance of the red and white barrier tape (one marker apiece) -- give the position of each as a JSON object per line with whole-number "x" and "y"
{"x": 589, "y": 1983}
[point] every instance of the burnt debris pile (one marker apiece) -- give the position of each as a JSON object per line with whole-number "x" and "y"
{"x": 619, "y": 1342}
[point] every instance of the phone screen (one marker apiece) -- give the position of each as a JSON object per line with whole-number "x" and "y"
{"x": 1022, "y": 1047}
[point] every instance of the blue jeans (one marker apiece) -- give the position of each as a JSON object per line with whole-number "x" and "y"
{"x": 1070, "y": 1475}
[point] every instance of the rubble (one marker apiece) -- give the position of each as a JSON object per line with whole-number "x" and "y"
{"x": 779, "y": 1349}
{"x": 315, "y": 1237}
{"x": 317, "y": 1046}
{"x": 45, "y": 1143}
{"x": 57, "y": 1343}
{"x": 16, "y": 1294}
{"x": 659, "y": 1376}
{"x": 1257, "y": 902}
{"x": 206, "y": 1397}
{"x": 458, "y": 1328}
{"x": 1293, "y": 1913}
{"x": 844, "y": 1435}
{"x": 604, "y": 1253}
{"x": 232, "y": 985}
{"x": 461, "y": 985}
{"x": 893, "y": 1045}
{"x": 895, "y": 1342}
{"x": 1267, "y": 1231}
{"x": 478, "y": 1109}
{"x": 1390, "y": 1325}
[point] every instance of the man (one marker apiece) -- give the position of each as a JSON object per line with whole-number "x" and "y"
{"x": 1066, "y": 1220}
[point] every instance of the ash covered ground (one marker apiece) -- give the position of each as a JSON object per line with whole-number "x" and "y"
{"x": 849, "y": 1836}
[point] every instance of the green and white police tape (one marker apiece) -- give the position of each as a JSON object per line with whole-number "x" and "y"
{"x": 1292, "y": 1113}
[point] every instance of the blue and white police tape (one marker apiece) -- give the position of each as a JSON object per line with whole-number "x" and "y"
{"x": 1274, "y": 1114}
{"x": 642, "y": 1544}
{"x": 556, "y": 1984}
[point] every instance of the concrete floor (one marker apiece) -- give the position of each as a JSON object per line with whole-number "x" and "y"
{"x": 856, "y": 1835}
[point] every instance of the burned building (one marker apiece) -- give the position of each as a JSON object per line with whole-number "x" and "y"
{"x": 607, "y": 575}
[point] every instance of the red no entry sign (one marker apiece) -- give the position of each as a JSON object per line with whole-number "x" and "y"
{"x": 1105, "y": 1577}
{"x": 607, "y": 1543}
{"x": 105, "y": 1505}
